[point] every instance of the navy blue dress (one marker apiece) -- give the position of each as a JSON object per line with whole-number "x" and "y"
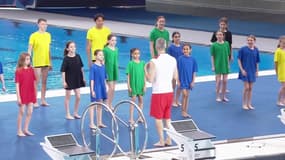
{"x": 99, "y": 76}
{"x": 249, "y": 58}
{"x": 186, "y": 67}
{"x": 175, "y": 51}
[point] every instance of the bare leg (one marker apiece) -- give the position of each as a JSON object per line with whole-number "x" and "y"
{"x": 19, "y": 121}
{"x": 38, "y": 76}
{"x": 177, "y": 96}
{"x": 44, "y": 86}
{"x": 167, "y": 125}
{"x": 218, "y": 87}
{"x": 66, "y": 104}
{"x": 141, "y": 106}
{"x": 91, "y": 114}
{"x": 131, "y": 120}
{"x": 174, "y": 103}
{"x": 281, "y": 95}
{"x": 76, "y": 105}
{"x": 249, "y": 96}
{"x": 28, "y": 119}
{"x": 224, "y": 87}
{"x": 159, "y": 128}
{"x": 245, "y": 96}
{"x": 185, "y": 100}
{"x": 99, "y": 116}
{"x": 111, "y": 90}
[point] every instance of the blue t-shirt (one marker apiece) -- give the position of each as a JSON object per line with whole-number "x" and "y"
{"x": 1, "y": 68}
{"x": 186, "y": 67}
{"x": 249, "y": 58}
{"x": 175, "y": 51}
{"x": 99, "y": 76}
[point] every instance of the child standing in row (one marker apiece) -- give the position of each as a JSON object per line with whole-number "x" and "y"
{"x": 158, "y": 32}
{"x": 220, "y": 52}
{"x": 187, "y": 68}
{"x": 72, "y": 78}
{"x": 175, "y": 50}
{"x": 25, "y": 80}
{"x": 98, "y": 88}
{"x": 2, "y": 77}
{"x": 224, "y": 27}
{"x": 112, "y": 66}
{"x": 279, "y": 60}
{"x": 248, "y": 59}
{"x": 136, "y": 81}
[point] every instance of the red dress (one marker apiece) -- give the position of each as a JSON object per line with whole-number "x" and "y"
{"x": 26, "y": 79}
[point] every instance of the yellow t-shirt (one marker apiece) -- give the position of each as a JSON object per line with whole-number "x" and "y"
{"x": 98, "y": 38}
{"x": 279, "y": 57}
{"x": 41, "y": 48}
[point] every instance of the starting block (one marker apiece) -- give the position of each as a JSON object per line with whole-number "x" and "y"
{"x": 193, "y": 143}
{"x": 65, "y": 147}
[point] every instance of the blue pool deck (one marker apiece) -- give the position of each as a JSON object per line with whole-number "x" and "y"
{"x": 224, "y": 120}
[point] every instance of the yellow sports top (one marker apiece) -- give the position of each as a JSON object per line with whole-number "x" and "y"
{"x": 98, "y": 38}
{"x": 41, "y": 48}
{"x": 279, "y": 57}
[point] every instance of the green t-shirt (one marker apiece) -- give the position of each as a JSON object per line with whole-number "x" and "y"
{"x": 155, "y": 34}
{"x": 137, "y": 78}
{"x": 111, "y": 63}
{"x": 221, "y": 53}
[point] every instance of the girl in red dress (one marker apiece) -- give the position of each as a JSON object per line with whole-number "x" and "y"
{"x": 25, "y": 80}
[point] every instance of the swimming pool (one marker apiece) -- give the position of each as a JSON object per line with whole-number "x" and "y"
{"x": 14, "y": 37}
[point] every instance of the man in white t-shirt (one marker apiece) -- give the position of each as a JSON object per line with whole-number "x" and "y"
{"x": 160, "y": 72}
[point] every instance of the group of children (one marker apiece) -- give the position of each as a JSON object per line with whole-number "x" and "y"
{"x": 248, "y": 60}
{"x": 104, "y": 72}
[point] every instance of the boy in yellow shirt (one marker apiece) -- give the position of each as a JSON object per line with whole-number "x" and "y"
{"x": 279, "y": 60}
{"x": 39, "y": 48}
{"x": 96, "y": 37}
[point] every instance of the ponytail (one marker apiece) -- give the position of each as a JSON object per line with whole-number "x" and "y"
{"x": 110, "y": 36}
{"x": 173, "y": 34}
{"x": 65, "y": 52}
{"x": 132, "y": 51}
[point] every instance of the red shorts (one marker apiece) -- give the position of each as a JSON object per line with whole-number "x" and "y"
{"x": 160, "y": 105}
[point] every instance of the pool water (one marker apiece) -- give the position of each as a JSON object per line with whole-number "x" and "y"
{"x": 14, "y": 37}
